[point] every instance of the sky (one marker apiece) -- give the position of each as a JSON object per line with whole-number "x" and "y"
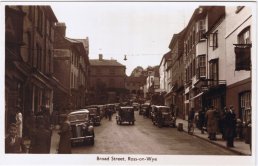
{"x": 140, "y": 30}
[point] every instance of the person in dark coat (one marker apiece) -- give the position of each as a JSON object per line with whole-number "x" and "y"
{"x": 212, "y": 123}
{"x": 109, "y": 114}
{"x": 201, "y": 115}
{"x": 191, "y": 115}
{"x": 13, "y": 143}
{"x": 230, "y": 126}
{"x": 40, "y": 143}
{"x": 65, "y": 137}
{"x": 222, "y": 122}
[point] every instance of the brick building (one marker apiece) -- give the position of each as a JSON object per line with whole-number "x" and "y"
{"x": 107, "y": 80}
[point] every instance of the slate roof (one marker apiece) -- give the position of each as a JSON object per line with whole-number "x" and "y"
{"x": 105, "y": 62}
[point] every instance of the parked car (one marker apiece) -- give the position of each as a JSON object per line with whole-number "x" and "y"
{"x": 136, "y": 106}
{"x": 162, "y": 116}
{"x": 94, "y": 114}
{"x": 146, "y": 110}
{"x": 125, "y": 114}
{"x": 82, "y": 128}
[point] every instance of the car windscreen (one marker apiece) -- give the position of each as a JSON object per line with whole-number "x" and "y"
{"x": 78, "y": 117}
{"x": 164, "y": 110}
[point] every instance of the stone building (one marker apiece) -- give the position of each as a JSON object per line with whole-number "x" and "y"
{"x": 107, "y": 80}
{"x": 176, "y": 91}
{"x": 29, "y": 59}
{"x": 71, "y": 69}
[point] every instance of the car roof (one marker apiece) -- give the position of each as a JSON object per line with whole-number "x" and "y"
{"x": 161, "y": 106}
{"x": 127, "y": 107}
{"x": 79, "y": 111}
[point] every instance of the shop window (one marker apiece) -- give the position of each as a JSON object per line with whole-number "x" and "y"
{"x": 245, "y": 106}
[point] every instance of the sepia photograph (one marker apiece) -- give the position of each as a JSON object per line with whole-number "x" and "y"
{"x": 128, "y": 83}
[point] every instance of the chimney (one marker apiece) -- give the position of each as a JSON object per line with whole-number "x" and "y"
{"x": 100, "y": 57}
{"x": 60, "y": 28}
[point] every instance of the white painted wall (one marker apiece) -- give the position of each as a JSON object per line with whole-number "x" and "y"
{"x": 235, "y": 23}
{"x": 219, "y": 52}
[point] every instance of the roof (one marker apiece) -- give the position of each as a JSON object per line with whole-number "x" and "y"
{"x": 105, "y": 62}
{"x": 166, "y": 56}
{"x": 79, "y": 111}
{"x": 135, "y": 79}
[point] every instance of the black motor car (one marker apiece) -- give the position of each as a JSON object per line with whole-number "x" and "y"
{"x": 162, "y": 116}
{"x": 144, "y": 109}
{"x": 94, "y": 115}
{"x": 82, "y": 128}
{"x": 125, "y": 114}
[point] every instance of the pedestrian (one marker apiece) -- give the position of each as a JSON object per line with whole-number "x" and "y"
{"x": 201, "y": 115}
{"x": 40, "y": 143}
{"x": 65, "y": 136}
{"x": 46, "y": 115}
{"x": 14, "y": 143}
{"x": 230, "y": 126}
{"x": 191, "y": 115}
{"x": 212, "y": 123}
{"x": 30, "y": 125}
{"x": 239, "y": 129}
{"x": 109, "y": 114}
{"x": 19, "y": 119}
{"x": 222, "y": 122}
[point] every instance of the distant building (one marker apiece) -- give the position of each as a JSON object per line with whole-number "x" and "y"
{"x": 135, "y": 86}
{"x": 107, "y": 80}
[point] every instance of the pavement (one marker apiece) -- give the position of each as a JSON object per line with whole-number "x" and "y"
{"x": 240, "y": 147}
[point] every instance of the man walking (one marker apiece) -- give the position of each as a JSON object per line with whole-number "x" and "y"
{"x": 230, "y": 126}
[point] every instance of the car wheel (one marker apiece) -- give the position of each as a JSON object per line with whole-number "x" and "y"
{"x": 133, "y": 122}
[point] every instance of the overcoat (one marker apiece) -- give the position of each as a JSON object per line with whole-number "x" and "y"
{"x": 65, "y": 138}
{"x": 40, "y": 142}
{"x": 230, "y": 124}
{"x": 212, "y": 121}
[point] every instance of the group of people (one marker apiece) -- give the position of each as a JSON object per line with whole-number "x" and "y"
{"x": 213, "y": 120}
{"x": 36, "y": 128}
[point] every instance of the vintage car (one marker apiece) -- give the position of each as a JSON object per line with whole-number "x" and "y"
{"x": 94, "y": 114}
{"x": 162, "y": 116}
{"x": 125, "y": 114}
{"x": 82, "y": 128}
{"x": 136, "y": 106}
{"x": 145, "y": 110}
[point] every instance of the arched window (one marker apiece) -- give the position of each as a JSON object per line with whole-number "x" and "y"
{"x": 244, "y": 37}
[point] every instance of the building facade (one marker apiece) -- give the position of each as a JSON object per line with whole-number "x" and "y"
{"x": 29, "y": 59}
{"x": 71, "y": 69}
{"x": 239, "y": 49}
{"x": 177, "y": 66}
{"x": 107, "y": 80}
